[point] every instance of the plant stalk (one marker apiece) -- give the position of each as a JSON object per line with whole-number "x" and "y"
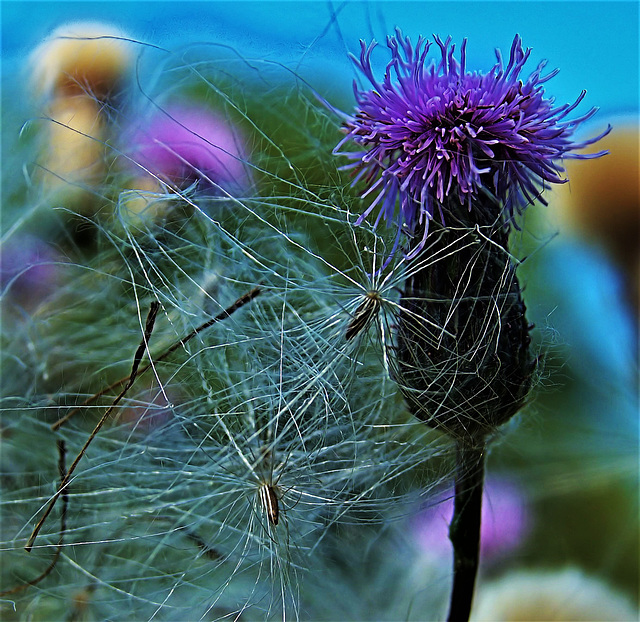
{"x": 464, "y": 531}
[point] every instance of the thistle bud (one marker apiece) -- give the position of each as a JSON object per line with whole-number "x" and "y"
{"x": 462, "y": 341}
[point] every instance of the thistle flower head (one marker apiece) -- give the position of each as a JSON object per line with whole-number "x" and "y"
{"x": 430, "y": 131}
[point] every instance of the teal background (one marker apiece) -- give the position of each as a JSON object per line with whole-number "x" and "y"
{"x": 594, "y": 43}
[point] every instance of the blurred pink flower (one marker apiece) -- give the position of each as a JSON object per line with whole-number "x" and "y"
{"x": 187, "y": 143}
{"x": 505, "y": 521}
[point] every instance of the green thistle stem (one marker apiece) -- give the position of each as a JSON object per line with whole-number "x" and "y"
{"x": 464, "y": 531}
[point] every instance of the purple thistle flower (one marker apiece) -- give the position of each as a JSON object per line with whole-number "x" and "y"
{"x": 433, "y": 131}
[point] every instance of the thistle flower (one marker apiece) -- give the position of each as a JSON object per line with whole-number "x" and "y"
{"x": 435, "y": 132}
{"x": 476, "y": 149}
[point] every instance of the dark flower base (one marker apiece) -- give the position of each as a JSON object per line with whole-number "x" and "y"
{"x": 462, "y": 357}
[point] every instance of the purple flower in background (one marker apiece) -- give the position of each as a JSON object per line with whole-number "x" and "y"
{"x": 504, "y": 526}
{"x": 430, "y": 131}
{"x": 29, "y": 269}
{"x": 182, "y": 144}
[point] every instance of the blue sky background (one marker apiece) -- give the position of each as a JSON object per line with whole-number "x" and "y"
{"x": 595, "y": 44}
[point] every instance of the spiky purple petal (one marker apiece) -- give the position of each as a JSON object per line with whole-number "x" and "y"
{"x": 434, "y": 131}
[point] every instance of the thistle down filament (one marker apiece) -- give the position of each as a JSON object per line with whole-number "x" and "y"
{"x": 450, "y": 157}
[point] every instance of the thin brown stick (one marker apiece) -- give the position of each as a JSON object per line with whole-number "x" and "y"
{"x": 62, "y": 469}
{"x": 243, "y": 300}
{"x": 129, "y": 380}
{"x": 144, "y": 344}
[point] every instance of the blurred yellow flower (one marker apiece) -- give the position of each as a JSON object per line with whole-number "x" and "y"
{"x": 89, "y": 58}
